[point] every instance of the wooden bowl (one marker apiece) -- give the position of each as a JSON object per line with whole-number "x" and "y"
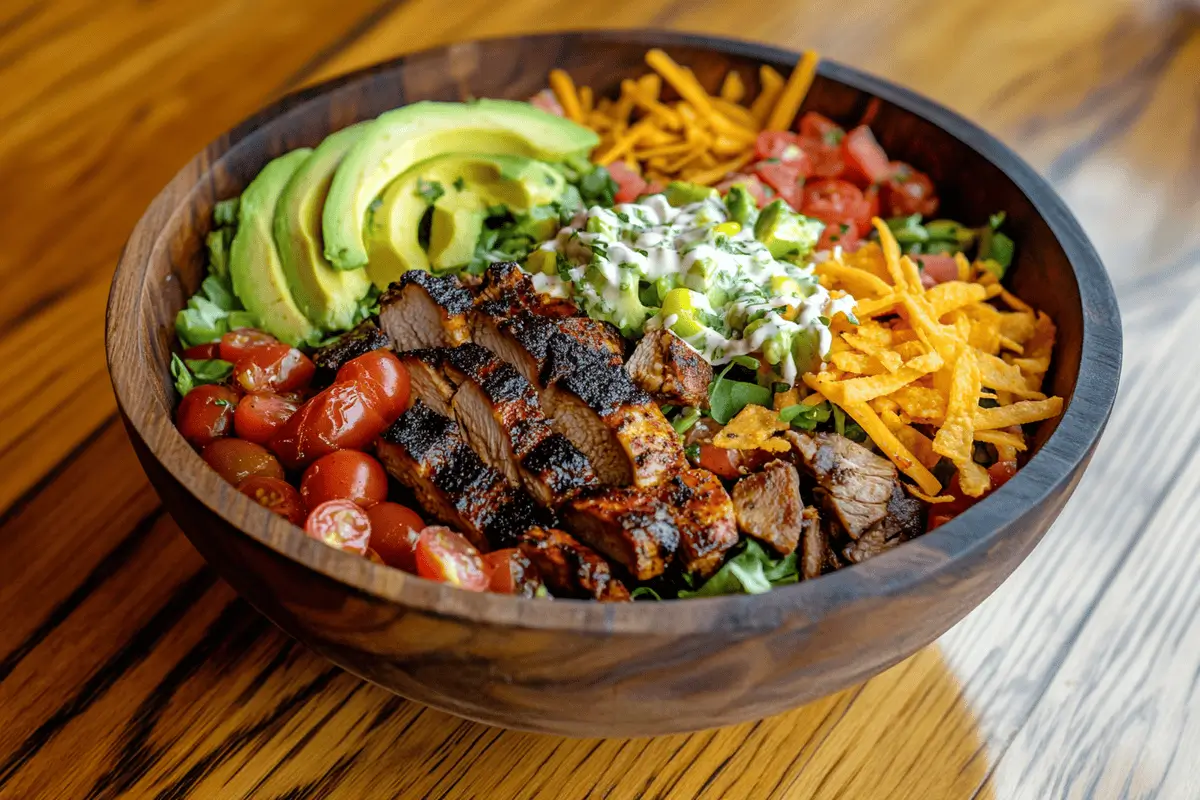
{"x": 590, "y": 669}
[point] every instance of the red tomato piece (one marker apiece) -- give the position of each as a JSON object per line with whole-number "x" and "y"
{"x": 344, "y": 475}
{"x": 866, "y": 163}
{"x": 236, "y": 345}
{"x": 382, "y": 372}
{"x": 447, "y": 557}
{"x": 394, "y": 532}
{"x": 836, "y": 203}
{"x": 547, "y": 101}
{"x": 511, "y": 572}
{"x": 842, "y": 234}
{"x": 871, "y": 195}
{"x": 785, "y": 179}
{"x": 819, "y": 126}
{"x": 1001, "y": 472}
{"x": 936, "y": 268}
{"x": 236, "y": 459}
{"x": 341, "y": 417}
{"x": 753, "y": 185}
{"x": 340, "y": 524}
{"x": 907, "y": 192}
{"x": 274, "y": 368}
{"x": 655, "y": 187}
{"x": 203, "y": 352}
{"x": 260, "y": 416}
{"x": 785, "y": 147}
{"x": 630, "y": 185}
{"x": 206, "y": 414}
{"x": 719, "y": 461}
{"x": 275, "y": 494}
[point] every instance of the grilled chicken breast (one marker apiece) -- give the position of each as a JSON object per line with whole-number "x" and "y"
{"x": 856, "y": 484}
{"x": 509, "y": 291}
{"x": 424, "y": 451}
{"x": 769, "y": 507}
{"x": 347, "y": 347}
{"x": 670, "y": 370}
{"x": 815, "y": 552}
{"x": 704, "y": 515}
{"x": 634, "y": 527}
{"x": 902, "y": 522}
{"x": 421, "y": 310}
{"x": 569, "y": 568}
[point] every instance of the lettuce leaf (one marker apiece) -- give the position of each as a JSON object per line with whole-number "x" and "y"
{"x": 211, "y": 313}
{"x": 191, "y": 373}
{"x": 751, "y": 571}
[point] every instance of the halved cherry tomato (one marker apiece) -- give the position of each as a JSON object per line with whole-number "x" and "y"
{"x": 936, "y": 268}
{"x": 908, "y": 192}
{"x": 382, "y": 371}
{"x": 843, "y": 234}
{"x": 446, "y": 556}
{"x": 341, "y": 417}
{"x": 238, "y": 344}
{"x": 259, "y": 416}
{"x": 344, "y": 475}
{"x": 276, "y": 495}
{"x": 274, "y": 368}
{"x": 718, "y": 460}
{"x": 203, "y": 352}
{"x": 236, "y": 459}
{"x": 394, "y": 532}
{"x": 785, "y": 179}
{"x": 866, "y": 163}
{"x": 341, "y": 524}
{"x": 630, "y": 185}
{"x": 761, "y": 194}
{"x": 835, "y": 203}
{"x": 206, "y": 414}
{"x": 818, "y": 126}
{"x": 785, "y": 147}
{"x": 511, "y": 572}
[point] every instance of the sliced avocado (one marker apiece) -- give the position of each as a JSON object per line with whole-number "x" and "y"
{"x": 681, "y": 193}
{"x": 465, "y": 186}
{"x": 254, "y": 263}
{"x": 785, "y": 233}
{"x": 327, "y": 296}
{"x": 399, "y": 139}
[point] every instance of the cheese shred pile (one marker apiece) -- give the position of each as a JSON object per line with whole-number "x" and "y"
{"x": 699, "y": 137}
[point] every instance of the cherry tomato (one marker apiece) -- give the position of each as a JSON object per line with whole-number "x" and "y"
{"x": 718, "y": 460}
{"x": 761, "y": 194}
{"x": 871, "y": 195}
{"x": 511, "y": 572}
{"x": 908, "y": 192}
{"x": 785, "y": 179}
{"x": 235, "y": 345}
{"x": 394, "y": 532}
{"x": 344, "y": 475}
{"x": 630, "y": 185}
{"x": 274, "y": 368}
{"x": 338, "y": 418}
{"x": 259, "y": 416}
{"x": 275, "y": 494}
{"x": 866, "y": 163}
{"x": 203, "y": 352}
{"x": 936, "y": 269}
{"x": 818, "y": 126}
{"x": 235, "y": 460}
{"x": 372, "y": 556}
{"x": 835, "y": 203}
{"x": 785, "y": 147}
{"x": 1001, "y": 472}
{"x": 341, "y": 524}
{"x": 446, "y": 556}
{"x": 382, "y": 371}
{"x": 206, "y": 414}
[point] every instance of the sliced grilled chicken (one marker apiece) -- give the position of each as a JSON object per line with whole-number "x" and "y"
{"x": 347, "y": 347}
{"x": 508, "y": 291}
{"x": 769, "y": 507}
{"x": 670, "y": 370}
{"x": 499, "y": 412}
{"x": 570, "y": 568}
{"x": 902, "y": 522}
{"x": 421, "y": 310}
{"x": 815, "y": 551}
{"x": 634, "y": 527}
{"x": 596, "y": 335}
{"x": 856, "y": 483}
{"x": 704, "y": 515}
{"x": 424, "y": 451}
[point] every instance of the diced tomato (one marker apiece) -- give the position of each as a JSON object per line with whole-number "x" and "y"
{"x": 841, "y": 234}
{"x": 236, "y": 459}
{"x": 871, "y": 195}
{"x": 936, "y": 268}
{"x": 260, "y": 416}
{"x": 785, "y": 179}
{"x": 784, "y": 147}
{"x": 866, "y": 163}
{"x": 341, "y": 524}
{"x": 819, "y": 126}
{"x": 753, "y": 185}
{"x": 908, "y": 192}
{"x": 511, "y": 572}
{"x": 203, "y": 352}
{"x": 394, "y": 532}
{"x": 206, "y": 414}
{"x": 341, "y": 417}
{"x": 383, "y": 373}
{"x": 655, "y": 187}
{"x": 547, "y": 101}
{"x": 447, "y": 557}
{"x": 275, "y": 494}
{"x": 836, "y": 203}
{"x": 1001, "y": 472}
{"x": 274, "y": 368}
{"x": 719, "y": 461}
{"x": 240, "y": 343}
{"x": 344, "y": 475}
{"x": 824, "y": 158}
{"x": 630, "y": 185}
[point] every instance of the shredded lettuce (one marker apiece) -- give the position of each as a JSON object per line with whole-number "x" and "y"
{"x": 752, "y": 570}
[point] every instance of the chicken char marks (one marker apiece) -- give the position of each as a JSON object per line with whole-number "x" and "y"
{"x": 856, "y": 484}
{"x": 570, "y": 568}
{"x": 422, "y": 310}
{"x": 670, "y": 370}
{"x": 424, "y": 451}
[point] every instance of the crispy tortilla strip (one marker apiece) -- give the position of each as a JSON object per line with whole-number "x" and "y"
{"x": 1020, "y": 413}
{"x": 714, "y": 174}
{"x": 732, "y": 88}
{"x": 814, "y": 399}
{"x": 892, "y": 447}
{"x": 891, "y": 255}
{"x": 964, "y": 267}
{"x": 955, "y": 438}
{"x": 909, "y": 350}
{"x": 918, "y": 443}
{"x": 873, "y": 308}
{"x": 912, "y": 275}
{"x": 782, "y": 400}
{"x": 1014, "y": 302}
{"x": 973, "y": 479}
{"x": 1018, "y": 326}
{"x": 858, "y": 363}
{"x": 770, "y": 88}
{"x": 860, "y": 390}
{"x": 882, "y": 404}
{"x": 568, "y": 98}
{"x": 793, "y": 93}
{"x": 997, "y": 373}
{"x": 753, "y": 428}
{"x": 931, "y": 499}
{"x": 921, "y": 403}
{"x": 859, "y": 282}
{"x": 864, "y": 343}
{"x": 953, "y": 295}
{"x": 1002, "y": 439}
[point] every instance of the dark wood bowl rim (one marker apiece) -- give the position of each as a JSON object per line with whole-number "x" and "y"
{"x": 889, "y": 574}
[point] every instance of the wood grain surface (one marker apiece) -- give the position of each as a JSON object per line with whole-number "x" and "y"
{"x": 128, "y": 670}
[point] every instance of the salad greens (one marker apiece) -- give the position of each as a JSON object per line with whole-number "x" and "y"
{"x": 190, "y": 373}
{"x": 946, "y": 237}
{"x": 750, "y": 569}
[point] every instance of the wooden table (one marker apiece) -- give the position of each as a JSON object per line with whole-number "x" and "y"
{"x": 127, "y": 669}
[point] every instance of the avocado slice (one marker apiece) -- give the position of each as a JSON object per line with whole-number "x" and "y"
{"x": 328, "y": 297}
{"x": 399, "y": 139}
{"x": 786, "y": 234}
{"x": 254, "y": 264}
{"x": 682, "y": 193}
{"x": 465, "y": 187}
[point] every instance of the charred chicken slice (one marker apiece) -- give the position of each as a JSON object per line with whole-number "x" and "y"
{"x": 856, "y": 484}
{"x": 769, "y": 507}
{"x": 425, "y": 452}
{"x": 421, "y": 310}
{"x": 815, "y": 552}
{"x": 902, "y": 522}
{"x": 507, "y": 291}
{"x": 633, "y": 527}
{"x": 670, "y": 370}
{"x": 347, "y": 347}
{"x": 704, "y": 515}
{"x": 570, "y": 568}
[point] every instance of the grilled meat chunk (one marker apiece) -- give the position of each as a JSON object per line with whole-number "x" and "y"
{"x": 633, "y": 527}
{"x": 902, "y": 522}
{"x": 347, "y": 347}
{"x": 856, "y": 484}
{"x": 704, "y": 515}
{"x": 596, "y": 336}
{"x": 507, "y": 291}
{"x": 528, "y": 341}
{"x": 769, "y": 507}
{"x": 421, "y": 310}
{"x": 670, "y": 370}
{"x": 815, "y": 552}
{"x": 427, "y": 378}
{"x": 570, "y": 568}
{"x": 425, "y": 452}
